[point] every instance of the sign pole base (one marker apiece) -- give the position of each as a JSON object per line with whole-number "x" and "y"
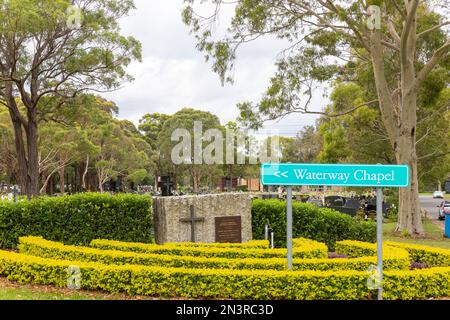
{"x": 289, "y": 228}
{"x": 380, "y": 241}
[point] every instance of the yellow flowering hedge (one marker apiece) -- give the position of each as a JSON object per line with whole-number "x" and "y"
{"x": 224, "y": 284}
{"x": 352, "y": 248}
{"x": 254, "y": 244}
{"x": 36, "y": 246}
{"x": 436, "y": 257}
{"x": 311, "y": 250}
{"x": 142, "y": 269}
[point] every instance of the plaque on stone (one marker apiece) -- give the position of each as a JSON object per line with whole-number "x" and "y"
{"x": 228, "y": 229}
{"x": 193, "y": 218}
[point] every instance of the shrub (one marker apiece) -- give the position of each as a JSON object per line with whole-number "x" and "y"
{"x": 420, "y": 256}
{"x": 321, "y": 224}
{"x": 436, "y": 257}
{"x": 53, "y": 250}
{"x": 77, "y": 219}
{"x": 254, "y": 244}
{"x": 226, "y": 284}
{"x": 356, "y": 248}
{"x": 393, "y": 257}
{"x": 312, "y": 250}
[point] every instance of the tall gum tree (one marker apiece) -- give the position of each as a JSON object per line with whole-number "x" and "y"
{"x": 56, "y": 49}
{"x": 326, "y": 39}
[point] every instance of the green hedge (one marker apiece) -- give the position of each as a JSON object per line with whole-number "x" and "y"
{"x": 313, "y": 250}
{"x": 394, "y": 259}
{"x": 436, "y": 257}
{"x": 225, "y": 284}
{"x": 321, "y": 224}
{"x": 77, "y": 219}
{"x": 80, "y": 218}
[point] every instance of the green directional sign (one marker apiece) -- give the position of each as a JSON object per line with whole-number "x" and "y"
{"x": 347, "y": 175}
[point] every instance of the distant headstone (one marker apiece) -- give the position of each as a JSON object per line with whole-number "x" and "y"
{"x": 166, "y": 184}
{"x": 205, "y": 218}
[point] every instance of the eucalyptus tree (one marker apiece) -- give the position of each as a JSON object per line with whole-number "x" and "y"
{"x": 120, "y": 152}
{"x": 327, "y": 40}
{"x": 56, "y": 49}
{"x": 151, "y": 125}
{"x": 180, "y": 130}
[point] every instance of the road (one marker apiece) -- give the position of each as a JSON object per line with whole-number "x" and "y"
{"x": 430, "y": 204}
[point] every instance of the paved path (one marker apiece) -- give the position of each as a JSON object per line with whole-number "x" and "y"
{"x": 431, "y": 205}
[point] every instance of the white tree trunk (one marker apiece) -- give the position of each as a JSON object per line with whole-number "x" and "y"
{"x": 83, "y": 179}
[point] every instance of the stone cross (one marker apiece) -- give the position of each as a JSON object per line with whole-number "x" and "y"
{"x": 192, "y": 220}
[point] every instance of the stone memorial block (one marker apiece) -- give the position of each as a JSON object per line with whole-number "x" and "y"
{"x": 205, "y": 218}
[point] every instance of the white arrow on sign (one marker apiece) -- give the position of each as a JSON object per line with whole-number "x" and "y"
{"x": 280, "y": 174}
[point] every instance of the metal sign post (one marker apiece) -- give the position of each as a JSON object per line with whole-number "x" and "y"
{"x": 380, "y": 241}
{"x": 289, "y": 228}
{"x": 345, "y": 175}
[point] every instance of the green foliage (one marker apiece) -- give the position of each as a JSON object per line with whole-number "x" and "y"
{"x": 304, "y": 148}
{"x": 394, "y": 258}
{"x": 184, "y": 120}
{"x": 320, "y": 224}
{"x": 104, "y": 270}
{"x": 435, "y": 257}
{"x": 312, "y": 250}
{"x": 77, "y": 219}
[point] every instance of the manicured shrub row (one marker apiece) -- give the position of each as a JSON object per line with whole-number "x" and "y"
{"x": 254, "y": 244}
{"x": 417, "y": 284}
{"x": 77, "y": 219}
{"x": 320, "y": 224}
{"x": 436, "y": 257}
{"x": 354, "y": 249}
{"x": 430, "y": 256}
{"x": 309, "y": 250}
{"x": 53, "y": 250}
{"x": 226, "y": 284}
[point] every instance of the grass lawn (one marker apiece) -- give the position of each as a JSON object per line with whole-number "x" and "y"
{"x": 434, "y": 235}
{"x": 28, "y": 294}
{"x": 13, "y": 291}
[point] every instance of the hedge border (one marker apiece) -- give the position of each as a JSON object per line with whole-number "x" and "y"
{"x": 228, "y": 284}
{"x": 434, "y": 257}
{"x": 253, "y": 244}
{"x": 35, "y": 246}
{"x": 313, "y": 250}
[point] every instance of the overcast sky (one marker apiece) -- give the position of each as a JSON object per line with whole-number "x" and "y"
{"x": 174, "y": 75}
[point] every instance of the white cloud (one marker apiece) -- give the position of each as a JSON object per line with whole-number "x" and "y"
{"x": 174, "y": 75}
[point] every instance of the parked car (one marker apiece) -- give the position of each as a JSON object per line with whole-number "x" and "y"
{"x": 438, "y": 195}
{"x": 444, "y": 208}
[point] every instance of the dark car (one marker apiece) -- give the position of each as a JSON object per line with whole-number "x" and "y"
{"x": 444, "y": 208}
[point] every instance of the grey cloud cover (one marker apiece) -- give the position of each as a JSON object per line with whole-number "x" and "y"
{"x": 174, "y": 74}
